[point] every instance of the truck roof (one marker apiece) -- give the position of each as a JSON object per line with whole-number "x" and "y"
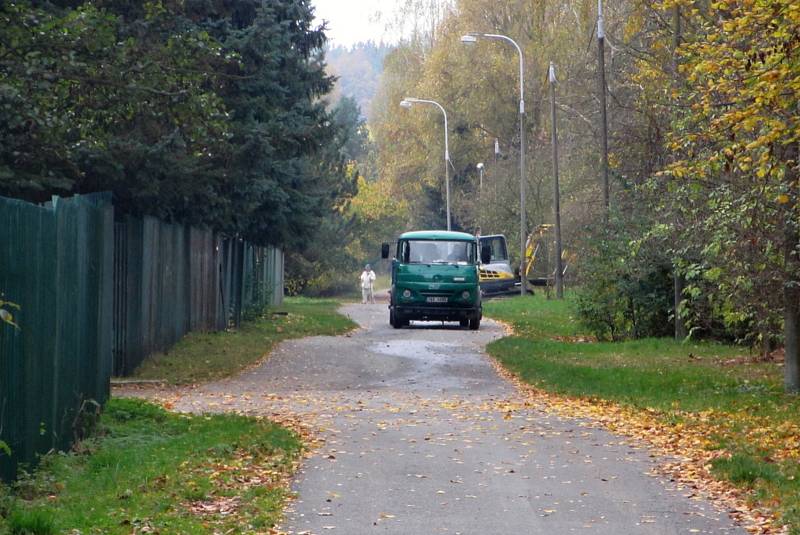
{"x": 437, "y": 235}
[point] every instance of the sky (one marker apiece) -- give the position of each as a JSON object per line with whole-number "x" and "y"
{"x": 352, "y": 21}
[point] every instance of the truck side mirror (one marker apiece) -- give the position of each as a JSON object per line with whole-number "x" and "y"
{"x": 385, "y": 250}
{"x": 486, "y": 254}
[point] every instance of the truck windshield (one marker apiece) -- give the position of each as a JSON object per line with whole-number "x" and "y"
{"x": 437, "y": 252}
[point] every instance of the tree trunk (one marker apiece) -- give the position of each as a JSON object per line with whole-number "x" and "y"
{"x": 791, "y": 301}
{"x": 679, "y": 285}
{"x": 791, "y": 314}
{"x": 679, "y": 282}
{"x": 766, "y": 344}
{"x": 791, "y": 284}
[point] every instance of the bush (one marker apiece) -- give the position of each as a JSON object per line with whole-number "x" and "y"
{"x": 626, "y": 285}
{"x": 627, "y": 290}
{"x": 311, "y": 277}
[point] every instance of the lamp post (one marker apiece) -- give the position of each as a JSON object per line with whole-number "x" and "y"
{"x": 479, "y": 167}
{"x": 559, "y": 272}
{"x": 407, "y": 103}
{"x": 471, "y": 39}
{"x": 601, "y": 71}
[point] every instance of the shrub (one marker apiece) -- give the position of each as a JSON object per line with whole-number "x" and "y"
{"x": 626, "y": 285}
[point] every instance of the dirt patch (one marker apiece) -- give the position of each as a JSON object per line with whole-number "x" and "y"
{"x": 776, "y": 357}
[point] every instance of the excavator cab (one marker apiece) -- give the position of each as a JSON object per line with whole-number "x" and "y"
{"x": 496, "y": 276}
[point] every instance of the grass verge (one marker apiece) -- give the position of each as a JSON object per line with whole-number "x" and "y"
{"x": 151, "y": 471}
{"x": 201, "y": 357}
{"x": 715, "y": 397}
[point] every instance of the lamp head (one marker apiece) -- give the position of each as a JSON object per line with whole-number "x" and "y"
{"x": 469, "y": 39}
{"x": 405, "y": 104}
{"x": 480, "y": 165}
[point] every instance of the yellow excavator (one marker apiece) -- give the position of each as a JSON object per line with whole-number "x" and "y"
{"x": 499, "y": 278}
{"x": 540, "y": 264}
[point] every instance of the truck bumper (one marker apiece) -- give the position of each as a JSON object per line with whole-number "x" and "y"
{"x": 423, "y": 313}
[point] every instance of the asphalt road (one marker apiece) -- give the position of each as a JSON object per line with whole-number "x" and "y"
{"x": 423, "y": 437}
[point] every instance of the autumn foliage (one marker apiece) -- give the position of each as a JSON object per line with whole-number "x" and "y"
{"x": 729, "y": 193}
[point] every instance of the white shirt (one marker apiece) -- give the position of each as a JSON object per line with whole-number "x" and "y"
{"x": 367, "y": 278}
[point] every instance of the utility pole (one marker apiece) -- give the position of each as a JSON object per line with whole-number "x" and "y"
{"x": 556, "y": 194}
{"x": 496, "y": 156}
{"x": 447, "y": 178}
{"x": 480, "y": 194}
{"x": 523, "y": 262}
{"x": 679, "y": 283}
{"x": 676, "y": 36}
{"x": 601, "y": 74}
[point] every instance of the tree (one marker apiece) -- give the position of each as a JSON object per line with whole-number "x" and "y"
{"x": 280, "y": 124}
{"x": 737, "y": 174}
{"x": 328, "y": 261}
{"x": 479, "y": 87}
{"x": 206, "y": 113}
{"x": 91, "y": 101}
{"x": 358, "y": 70}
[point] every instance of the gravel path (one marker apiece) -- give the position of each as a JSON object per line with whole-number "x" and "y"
{"x": 421, "y": 436}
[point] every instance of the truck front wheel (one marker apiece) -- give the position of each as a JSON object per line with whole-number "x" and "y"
{"x": 475, "y": 323}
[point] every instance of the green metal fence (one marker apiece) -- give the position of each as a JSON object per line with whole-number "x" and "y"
{"x": 98, "y": 297}
{"x": 56, "y": 262}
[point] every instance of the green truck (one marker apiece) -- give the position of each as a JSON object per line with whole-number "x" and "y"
{"x": 435, "y": 277}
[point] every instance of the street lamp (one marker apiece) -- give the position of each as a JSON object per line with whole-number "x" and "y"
{"x": 407, "y": 103}
{"x": 471, "y": 39}
{"x": 480, "y": 193}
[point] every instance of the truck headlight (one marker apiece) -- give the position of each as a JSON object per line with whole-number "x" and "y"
{"x": 406, "y": 293}
{"x": 465, "y": 294}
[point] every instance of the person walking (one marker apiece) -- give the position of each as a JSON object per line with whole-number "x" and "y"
{"x": 367, "y": 283}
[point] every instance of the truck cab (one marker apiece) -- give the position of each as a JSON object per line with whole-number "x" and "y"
{"x": 435, "y": 277}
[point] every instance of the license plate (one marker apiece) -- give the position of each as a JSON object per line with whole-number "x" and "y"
{"x": 437, "y": 299}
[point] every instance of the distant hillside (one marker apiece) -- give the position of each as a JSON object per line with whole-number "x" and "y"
{"x": 359, "y": 70}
